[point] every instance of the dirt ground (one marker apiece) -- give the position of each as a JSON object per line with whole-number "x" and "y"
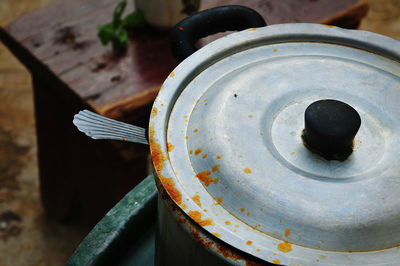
{"x": 26, "y": 237}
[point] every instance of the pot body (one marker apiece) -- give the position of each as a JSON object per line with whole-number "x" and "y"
{"x": 181, "y": 241}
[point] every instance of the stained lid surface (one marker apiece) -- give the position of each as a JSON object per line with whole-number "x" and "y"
{"x": 228, "y": 125}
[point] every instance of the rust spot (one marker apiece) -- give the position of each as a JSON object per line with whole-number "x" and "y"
{"x": 250, "y": 116}
{"x": 153, "y": 112}
{"x": 196, "y": 216}
{"x": 248, "y": 213}
{"x": 196, "y": 130}
{"x": 237, "y": 226}
{"x": 199, "y": 239}
{"x": 124, "y": 139}
{"x": 287, "y": 232}
{"x": 219, "y": 156}
{"x": 172, "y": 74}
{"x": 197, "y": 152}
{"x": 183, "y": 206}
{"x": 216, "y": 234}
{"x": 292, "y": 153}
{"x": 219, "y": 200}
{"x": 205, "y": 177}
{"x": 170, "y": 147}
{"x": 196, "y": 199}
{"x": 280, "y": 220}
{"x": 215, "y": 168}
{"x": 251, "y": 29}
{"x": 205, "y": 156}
{"x": 216, "y": 180}
{"x": 249, "y": 242}
{"x": 276, "y": 261}
{"x": 285, "y": 247}
{"x": 258, "y": 250}
{"x": 242, "y": 209}
{"x": 329, "y": 26}
{"x": 275, "y": 50}
{"x": 247, "y": 170}
{"x": 186, "y": 137}
{"x": 169, "y": 185}
{"x": 227, "y": 253}
{"x": 190, "y": 152}
{"x": 350, "y": 251}
{"x": 205, "y": 210}
{"x": 227, "y": 222}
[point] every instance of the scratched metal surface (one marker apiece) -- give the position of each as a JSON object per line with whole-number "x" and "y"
{"x": 226, "y": 133}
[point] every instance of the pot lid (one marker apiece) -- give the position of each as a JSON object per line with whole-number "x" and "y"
{"x": 226, "y": 140}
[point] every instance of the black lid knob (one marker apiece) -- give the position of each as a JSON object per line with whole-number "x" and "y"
{"x": 330, "y": 128}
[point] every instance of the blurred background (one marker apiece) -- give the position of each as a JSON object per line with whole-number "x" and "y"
{"x": 26, "y": 236}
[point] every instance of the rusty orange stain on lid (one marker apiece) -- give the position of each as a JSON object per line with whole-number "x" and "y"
{"x": 251, "y": 29}
{"x": 250, "y": 116}
{"x": 329, "y": 26}
{"x": 215, "y": 168}
{"x": 205, "y": 156}
{"x": 242, "y": 209}
{"x": 169, "y": 185}
{"x": 227, "y": 222}
{"x": 170, "y": 147}
{"x": 287, "y": 232}
{"x": 204, "y": 176}
{"x": 276, "y": 261}
{"x": 124, "y": 139}
{"x": 219, "y": 156}
{"x": 197, "y": 152}
{"x": 186, "y": 137}
{"x": 247, "y": 170}
{"x": 172, "y": 74}
{"x": 249, "y": 242}
{"x": 158, "y": 160}
{"x": 219, "y": 200}
{"x": 196, "y": 198}
{"x": 196, "y": 216}
{"x": 292, "y": 153}
{"x": 216, "y": 180}
{"x": 184, "y": 206}
{"x": 258, "y": 250}
{"x": 153, "y": 112}
{"x": 285, "y": 247}
{"x": 350, "y": 251}
{"x": 196, "y": 130}
{"x": 248, "y": 213}
{"x": 275, "y": 50}
{"x": 280, "y": 220}
{"x": 190, "y": 151}
{"x": 216, "y": 234}
{"x": 205, "y": 210}
{"x": 237, "y": 226}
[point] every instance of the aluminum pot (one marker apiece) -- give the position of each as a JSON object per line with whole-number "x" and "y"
{"x": 251, "y": 171}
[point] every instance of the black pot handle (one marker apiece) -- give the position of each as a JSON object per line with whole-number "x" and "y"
{"x": 219, "y": 19}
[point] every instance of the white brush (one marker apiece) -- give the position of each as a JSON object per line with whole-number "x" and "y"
{"x": 99, "y": 127}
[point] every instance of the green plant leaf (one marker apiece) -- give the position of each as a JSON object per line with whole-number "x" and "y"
{"x": 134, "y": 20}
{"x": 106, "y": 33}
{"x": 118, "y": 11}
{"x": 122, "y": 36}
